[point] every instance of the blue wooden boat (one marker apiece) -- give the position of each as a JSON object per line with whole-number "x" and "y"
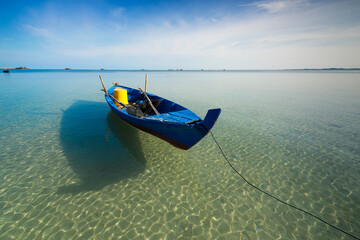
{"x": 173, "y": 123}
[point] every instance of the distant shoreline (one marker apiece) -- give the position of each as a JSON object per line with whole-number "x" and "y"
{"x": 187, "y": 70}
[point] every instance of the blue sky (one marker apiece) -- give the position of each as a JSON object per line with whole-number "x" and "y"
{"x": 275, "y": 34}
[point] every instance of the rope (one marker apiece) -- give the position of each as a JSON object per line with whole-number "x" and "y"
{"x": 279, "y": 200}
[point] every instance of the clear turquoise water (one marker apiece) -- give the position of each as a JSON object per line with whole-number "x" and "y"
{"x": 70, "y": 169}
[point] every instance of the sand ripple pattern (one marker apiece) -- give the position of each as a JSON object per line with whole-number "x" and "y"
{"x": 71, "y": 170}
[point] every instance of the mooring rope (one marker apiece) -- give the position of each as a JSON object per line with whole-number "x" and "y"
{"x": 277, "y": 199}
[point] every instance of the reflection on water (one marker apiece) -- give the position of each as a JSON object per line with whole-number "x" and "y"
{"x": 98, "y": 162}
{"x": 127, "y": 135}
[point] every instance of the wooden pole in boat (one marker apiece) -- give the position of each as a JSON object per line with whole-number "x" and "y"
{"x": 121, "y": 104}
{"x": 146, "y": 83}
{"x": 152, "y": 106}
{"x": 109, "y": 95}
{"x": 104, "y": 89}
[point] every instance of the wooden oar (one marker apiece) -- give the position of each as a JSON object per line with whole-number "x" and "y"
{"x": 146, "y": 83}
{"x": 109, "y": 95}
{"x": 122, "y": 105}
{"x": 104, "y": 89}
{"x": 156, "y": 111}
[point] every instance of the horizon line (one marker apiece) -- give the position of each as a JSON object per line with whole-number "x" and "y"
{"x": 180, "y": 69}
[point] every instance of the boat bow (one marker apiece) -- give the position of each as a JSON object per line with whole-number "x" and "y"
{"x": 210, "y": 118}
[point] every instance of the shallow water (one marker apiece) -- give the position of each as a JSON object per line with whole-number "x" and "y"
{"x": 70, "y": 169}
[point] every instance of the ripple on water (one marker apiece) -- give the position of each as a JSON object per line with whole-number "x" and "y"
{"x": 81, "y": 173}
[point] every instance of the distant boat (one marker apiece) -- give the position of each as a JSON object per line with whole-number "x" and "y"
{"x": 68, "y": 69}
{"x": 6, "y": 71}
{"x": 162, "y": 118}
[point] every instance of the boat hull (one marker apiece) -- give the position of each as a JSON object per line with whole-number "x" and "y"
{"x": 180, "y": 135}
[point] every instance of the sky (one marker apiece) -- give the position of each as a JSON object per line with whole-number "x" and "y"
{"x": 157, "y": 34}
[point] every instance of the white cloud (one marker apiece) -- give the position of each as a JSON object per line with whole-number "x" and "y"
{"x": 272, "y": 6}
{"x": 117, "y": 12}
{"x": 290, "y": 39}
{"x": 43, "y": 32}
{"x": 279, "y": 5}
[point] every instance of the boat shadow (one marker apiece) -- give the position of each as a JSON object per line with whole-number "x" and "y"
{"x": 100, "y": 148}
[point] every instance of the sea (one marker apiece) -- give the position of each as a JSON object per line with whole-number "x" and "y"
{"x": 71, "y": 169}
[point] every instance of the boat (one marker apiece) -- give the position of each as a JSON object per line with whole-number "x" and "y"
{"x": 159, "y": 116}
{"x": 6, "y": 71}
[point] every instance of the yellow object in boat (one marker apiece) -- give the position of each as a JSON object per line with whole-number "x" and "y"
{"x": 120, "y": 94}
